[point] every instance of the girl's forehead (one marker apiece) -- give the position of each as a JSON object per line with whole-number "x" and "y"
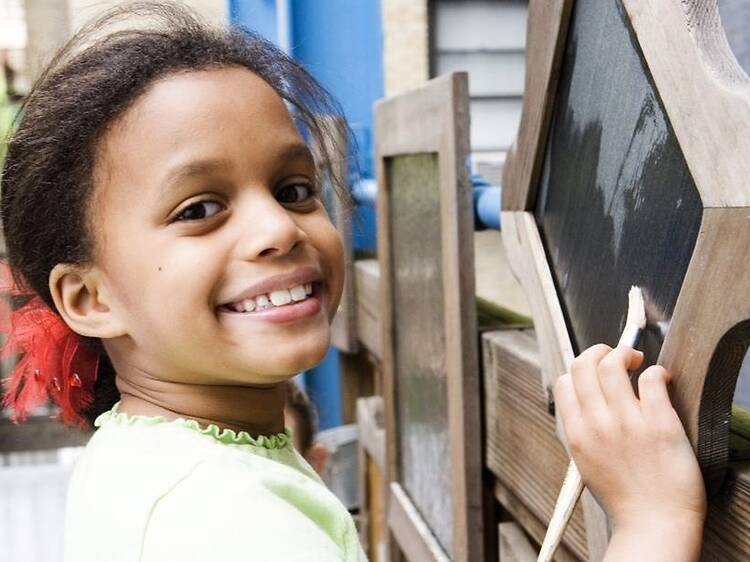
{"x": 186, "y": 97}
{"x": 221, "y": 111}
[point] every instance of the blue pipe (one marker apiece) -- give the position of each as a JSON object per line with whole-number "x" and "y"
{"x": 487, "y": 205}
{"x": 365, "y": 192}
{"x": 487, "y": 200}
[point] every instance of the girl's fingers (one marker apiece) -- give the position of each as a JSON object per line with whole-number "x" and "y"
{"x": 566, "y": 403}
{"x": 586, "y": 380}
{"x": 615, "y": 380}
{"x": 652, "y": 388}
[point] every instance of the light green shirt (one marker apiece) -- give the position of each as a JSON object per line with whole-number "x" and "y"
{"x": 149, "y": 490}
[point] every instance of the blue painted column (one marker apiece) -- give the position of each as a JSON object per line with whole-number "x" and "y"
{"x": 256, "y": 15}
{"x": 341, "y": 43}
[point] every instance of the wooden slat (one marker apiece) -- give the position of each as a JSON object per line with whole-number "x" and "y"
{"x": 529, "y": 262}
{"x": 372, "y": 499}
{"x": 495, "y": 283}
{"x": 377, "y": 524}
{"x": 412, "y": 533}
{"x": 727, "y": 533}
{"x": 367, "y": 273}
{"x": 514, "y": 545}
{"x": 370, "y": 428}
{"x": 373, "y": 491}
{"x": 530, "y": 523}
{"x": 522, "y": 449}
{"x": 545, "y": 39}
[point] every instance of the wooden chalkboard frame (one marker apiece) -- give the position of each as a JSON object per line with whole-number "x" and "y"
{"x": 706, "y": 96}
{"x": 435, "y": 119}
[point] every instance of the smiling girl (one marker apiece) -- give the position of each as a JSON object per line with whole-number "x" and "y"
{"x": 161, "y": 209}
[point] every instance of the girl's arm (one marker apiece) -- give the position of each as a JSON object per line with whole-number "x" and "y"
{"x": 633, "y": 455}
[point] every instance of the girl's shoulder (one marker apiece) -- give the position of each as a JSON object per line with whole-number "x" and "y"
{"x": 174, "y": 485}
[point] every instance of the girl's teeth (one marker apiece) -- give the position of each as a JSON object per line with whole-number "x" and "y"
{"x": 280, "y": 298}
{"x": 275, "y": 298}
{"x": 298, "y": 293}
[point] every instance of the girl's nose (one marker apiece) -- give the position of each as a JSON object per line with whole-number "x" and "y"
{"x": 269, "y": 231}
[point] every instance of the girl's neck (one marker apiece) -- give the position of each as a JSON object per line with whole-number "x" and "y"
{"x": 258, "y": 410}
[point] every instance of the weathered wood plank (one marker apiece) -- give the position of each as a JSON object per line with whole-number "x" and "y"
{"x": 727, "y": 534}
{"x": 373, "y": 490}
{"x": 367, "y": 273}
{"x": 530, "y": 523}
{"x": 370, "y": 428}
{"x": 414, "y": 536}
{"x": 514, "y": 545}
{"x": 545, "y": 35}
{"x": 523, "y": 451}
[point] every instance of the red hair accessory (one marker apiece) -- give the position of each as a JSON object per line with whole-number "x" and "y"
{"x": 54, "y": 364}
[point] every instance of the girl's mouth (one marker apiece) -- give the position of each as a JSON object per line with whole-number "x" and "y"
{"x": 284, "y": 305}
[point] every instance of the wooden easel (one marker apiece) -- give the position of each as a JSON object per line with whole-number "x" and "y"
{"x": 703, "y": 96}
{"x": 422, "y": 141}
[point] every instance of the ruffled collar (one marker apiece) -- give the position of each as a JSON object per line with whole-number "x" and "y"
{"x": 226, "y": 436}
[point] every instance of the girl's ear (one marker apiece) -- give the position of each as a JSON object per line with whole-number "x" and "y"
{"x": 317, "y": 456}
{"x": 82, "y": 298}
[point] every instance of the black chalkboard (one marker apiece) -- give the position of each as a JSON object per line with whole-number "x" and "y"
{"x": 617, "y": 205}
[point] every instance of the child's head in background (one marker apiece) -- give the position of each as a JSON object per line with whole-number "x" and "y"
{"x": 160, "y": 195}
{"x": 302, "y": 420}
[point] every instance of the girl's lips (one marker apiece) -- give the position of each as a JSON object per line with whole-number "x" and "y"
{"x": 311, "y": 306}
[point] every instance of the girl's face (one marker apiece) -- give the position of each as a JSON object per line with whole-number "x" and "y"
{"x": 206, "y": 209}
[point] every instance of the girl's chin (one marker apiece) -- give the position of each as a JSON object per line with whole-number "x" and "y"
{"x": 288, "y": 356}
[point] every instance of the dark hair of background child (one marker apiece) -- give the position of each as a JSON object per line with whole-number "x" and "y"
{"x": 301, "y": 408}
{"x": 47, "y": 178}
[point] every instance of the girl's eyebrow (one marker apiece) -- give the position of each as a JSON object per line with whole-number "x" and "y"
{"x": 296, "y": 151}
{"x": 207, "y": 166}
{"x": 201, "y": 167}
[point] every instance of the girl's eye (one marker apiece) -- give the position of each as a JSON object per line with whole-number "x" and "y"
{"x": 295, "y": 193}
{"x": 199, "y": 210}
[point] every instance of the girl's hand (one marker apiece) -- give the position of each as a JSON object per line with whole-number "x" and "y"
{"x": 633, "y": 454}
